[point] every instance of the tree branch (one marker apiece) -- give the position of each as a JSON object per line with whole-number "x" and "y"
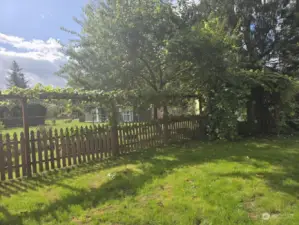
{"x": 151, "y": 84}
{"x": 152, "y": 73}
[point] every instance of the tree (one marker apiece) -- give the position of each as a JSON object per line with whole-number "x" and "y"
{"x": 267, "y": 56}
{"x": 131, "y": 45}
{"x": 151, "y": 48}
{"x": 16, "y": 78}
{"x": 226, "y": 50}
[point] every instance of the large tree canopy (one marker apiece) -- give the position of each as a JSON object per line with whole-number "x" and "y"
{"x": 241, "y": 56}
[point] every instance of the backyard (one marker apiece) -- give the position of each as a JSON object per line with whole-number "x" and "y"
{"x": 247, "y": 182}
{"x": 213, "y": 84}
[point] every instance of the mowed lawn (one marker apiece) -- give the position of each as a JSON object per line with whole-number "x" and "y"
{"x": 246, "y": 182}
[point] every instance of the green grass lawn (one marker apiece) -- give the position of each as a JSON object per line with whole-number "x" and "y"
{"x": 246, "y": 182}
{"x": 58, "y": 125}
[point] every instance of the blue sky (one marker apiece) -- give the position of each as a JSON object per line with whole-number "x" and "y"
{"x": 39, "y": 19}
{"x": 28, "y": 33}
{"x": 29, "y": 30}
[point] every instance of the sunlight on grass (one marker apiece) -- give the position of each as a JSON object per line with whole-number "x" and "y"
{"x": 249, "y": 182}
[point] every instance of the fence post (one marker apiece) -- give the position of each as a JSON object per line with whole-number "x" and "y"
{"x": 114, "y": 131}
{"x": 26, "y": 133}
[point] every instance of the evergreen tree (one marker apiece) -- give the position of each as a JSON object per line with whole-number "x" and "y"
{"x": 16, "y": 78}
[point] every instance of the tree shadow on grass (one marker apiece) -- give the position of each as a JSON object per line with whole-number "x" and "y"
{"x": 160, "y": 162}
{"x": 124, "y": 183}
{"x": 12, "y": 187}
{"x": 275, "y": 180}
{"x": 283, "y": 155}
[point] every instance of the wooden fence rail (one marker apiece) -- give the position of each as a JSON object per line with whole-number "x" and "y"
{"x": 54, "y": 149}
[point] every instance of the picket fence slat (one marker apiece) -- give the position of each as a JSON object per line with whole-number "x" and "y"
{"x": 92, "y": 144}
{"x": 33, "y": 151}
{"x": 152, "y": 136}
{"x": 68, "y": 147}
{"x": 87, "y": 156}
{"x": 52, "y": 149}
{"x": 101, "y": 146}
{"x": 109, "y": 144}
{"x": 23, "y": 156}
{"x": 8, "y": 156}
{"x": 132, "y": 138}
{"x": 39, "y": 151}
{"x": 72, "y": 148}
{"x": 16, "y": 155}
{"x": 45, "y": 149}
{"x": 105, "y": 143}
{"x": 82, "y": 145}
{"x": 108, "y": 140}
{"x": 75, "y": 149}
{"x": 120, "y": 137}
{"x": 125, "y": 140}
{"x": 79, "y": 138}
{"x": 96, "y": 143}
{"x": 57, "y": 148}
{"x": 63, "y": 148}
{"x": 2, "y": 159}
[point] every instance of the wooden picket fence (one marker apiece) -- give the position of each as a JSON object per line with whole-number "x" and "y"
{"x": 55, "y": 149}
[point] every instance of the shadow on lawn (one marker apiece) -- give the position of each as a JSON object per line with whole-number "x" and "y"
{"x": 128, "y": 182}
{"x": 12, "y": 187}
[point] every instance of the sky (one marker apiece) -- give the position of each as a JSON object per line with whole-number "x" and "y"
{"x": 29, "y": 33}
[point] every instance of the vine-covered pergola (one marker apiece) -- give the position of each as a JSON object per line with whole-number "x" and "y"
{"x": 50, "y": 94}
{"x": 53, "y": 94}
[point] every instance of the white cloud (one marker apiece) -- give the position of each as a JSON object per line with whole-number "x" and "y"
{"x": 35, "y": 49}
{"x": 39, "y": 59}
{"x": 34, "y": 55}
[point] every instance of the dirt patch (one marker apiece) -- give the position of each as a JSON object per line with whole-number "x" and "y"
{"x": 77, "y": 221}
{"x": 102, "y": 211}
{"x": 249, "y": 207}
{"x": 253, "y": 216}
